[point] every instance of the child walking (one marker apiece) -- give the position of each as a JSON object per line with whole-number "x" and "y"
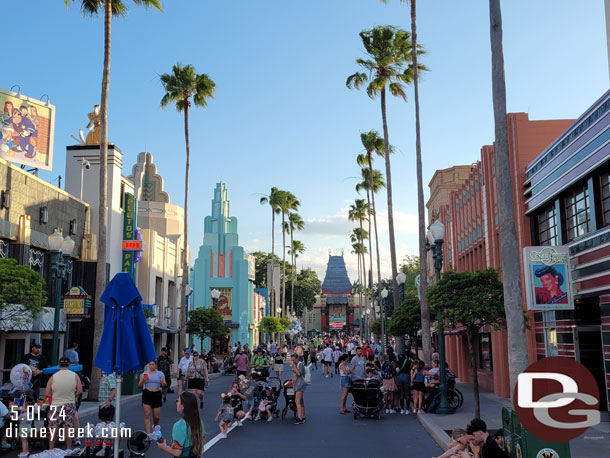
{"x": 417, "y": 375}
{"x": 225, "y": 413}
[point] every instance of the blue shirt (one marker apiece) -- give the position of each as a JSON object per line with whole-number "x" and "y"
{"x": 182, "y": 436}
{"x": 72, "y": 355}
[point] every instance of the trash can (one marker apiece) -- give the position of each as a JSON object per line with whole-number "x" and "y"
{"x": 130, "y": 383}
{"x": 507, "y": 427}
{"x": 526, "y": 445}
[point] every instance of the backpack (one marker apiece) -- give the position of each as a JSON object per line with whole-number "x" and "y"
{"x": 307, "y": 376}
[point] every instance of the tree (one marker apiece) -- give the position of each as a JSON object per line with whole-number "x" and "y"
{"x": 273, "y": 199}
{"x": 388, "y": 67}
{"x": 270, "y": 325}
{"x": 471, "y": 300}
{"x": 359, "y": 212}
{"x": 306, "y": 288}
{"x": 423, "y": 269}
{"x": 180, "y": 86}
{"x": 288, "y": 203}
{"x": 285, "y": 323}
{"x": 295, "y": 223}
{"x": 22, "y": 294}
{"x": 406, "y": 319}
{"x": 261, "y": 260}
{"x": 410, "y": 268}
{"x": 205, "y": 322}
{"x": 375, "y": 327}
{"x": 109, "y": 8}
{"x": 511, "y": 275}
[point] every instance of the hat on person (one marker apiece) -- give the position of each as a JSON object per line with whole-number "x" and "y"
{"x": 37, "y": 344}
{"x": 64, "y": 361}
{"x": 163, "y": 349}
{"x": 187, "y": 351}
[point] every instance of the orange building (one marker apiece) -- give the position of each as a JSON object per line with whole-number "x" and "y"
{"x": 472, "y": 241}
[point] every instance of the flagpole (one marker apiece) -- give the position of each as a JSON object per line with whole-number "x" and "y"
{"x": 119, "y": 383}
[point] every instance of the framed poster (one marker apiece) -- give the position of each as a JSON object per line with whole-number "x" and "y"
{"x": 26, "y": 130}
{"x": 547, "y": 278}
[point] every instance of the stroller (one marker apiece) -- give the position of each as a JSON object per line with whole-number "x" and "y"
{"x": 289, "y": 399}
{"x": 368, "y": 399}
{"x": 275, "y": 386}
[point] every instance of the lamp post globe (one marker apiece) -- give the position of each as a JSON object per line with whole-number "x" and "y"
{"x": 59, "y": 247}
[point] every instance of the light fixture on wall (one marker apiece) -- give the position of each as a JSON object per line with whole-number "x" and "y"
{"x": 44, "y": 215}
{"x": 73, "y": 226}
{"x": 5, "y": 199}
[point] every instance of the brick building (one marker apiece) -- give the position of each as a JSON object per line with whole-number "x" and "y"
{"x": 472, "y": 240}
{"x": 30, "y": 211}
{"x": 567, "y": 200}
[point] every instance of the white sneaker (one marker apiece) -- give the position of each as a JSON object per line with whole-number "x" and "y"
{"x": 239, "y": 423}
{"x": 247, "y": 417}
{"x": 407, "y": 412}
{"x": 402, "y": 412}
{"x": 387, "y": 410}
{"x": 224, "y": 436}
{"x": 258, "y": 417}
{"x": 270, "y": 418}
{"x": 392, "y": 411}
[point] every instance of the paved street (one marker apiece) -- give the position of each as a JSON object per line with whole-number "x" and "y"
{"x": 326, "y": 433}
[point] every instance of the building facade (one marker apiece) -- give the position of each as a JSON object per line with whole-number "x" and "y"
{"x": 472, "y": 241}
{"x": 30, "y": 210}
{"x": 223, "y": 265}
{"x": 567, "y": 201}
{"x": 336, "y": 307}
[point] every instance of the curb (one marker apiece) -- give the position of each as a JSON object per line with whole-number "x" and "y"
{"x": 436, "y": 432}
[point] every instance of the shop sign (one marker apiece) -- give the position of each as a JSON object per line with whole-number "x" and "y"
{"x": 132, "y": 239}
{"x": 548, "y": 280}
{"x": 76, "y": 304}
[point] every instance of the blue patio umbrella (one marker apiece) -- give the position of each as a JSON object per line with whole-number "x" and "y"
{"x": 126, "y": 343}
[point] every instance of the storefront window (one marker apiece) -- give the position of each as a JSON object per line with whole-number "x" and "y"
{"x": 547, "y": 227}
{"x": 485, "y": 362}
{"x": 577, "y": 212}
{"x": 605, "y": 197}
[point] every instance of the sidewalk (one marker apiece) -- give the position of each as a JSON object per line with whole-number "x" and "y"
{"x": 595, "y": 442}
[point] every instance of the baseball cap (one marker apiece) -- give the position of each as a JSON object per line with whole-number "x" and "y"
{"x": 64, "y": 361}
{"x": 164, "y": 349}
{"x": 187, "y": 351}
{"x": 37, "y": 344}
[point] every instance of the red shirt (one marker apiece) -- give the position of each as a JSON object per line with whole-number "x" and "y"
{"x": 367, "y": 351}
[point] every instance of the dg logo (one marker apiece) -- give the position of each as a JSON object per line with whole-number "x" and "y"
{"x": 556, "y": 399}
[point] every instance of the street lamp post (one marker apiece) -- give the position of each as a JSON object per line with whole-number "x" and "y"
{"x": 384, "y": 342}
{"x": 436, "y": 236}
{"x": 215, "y": 296}
{"x": 60, "y": 247}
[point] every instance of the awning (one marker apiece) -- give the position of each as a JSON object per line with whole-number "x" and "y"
{"x": 165, "y": 329}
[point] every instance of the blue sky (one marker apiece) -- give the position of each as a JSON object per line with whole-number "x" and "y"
{"x": 282, "y": 115}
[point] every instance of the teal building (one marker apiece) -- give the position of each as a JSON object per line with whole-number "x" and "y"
{"x": 221, "y": 264}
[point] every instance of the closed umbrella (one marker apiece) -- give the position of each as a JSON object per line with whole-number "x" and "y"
{"x": 126, "y": 343}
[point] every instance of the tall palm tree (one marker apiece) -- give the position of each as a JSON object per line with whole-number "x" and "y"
{"x": 295, "y": 223}
{"x": 109, "y": 8}
{"x": 359, "y": 211}
{"x": 423, "y": 268}
{"x": 511, "y": 277}
{"x": 296, "y": 249}
{"x": 288, "y": 203}
{"x": 373, "y": 143}
{"x": 388, "y": 67}
{"x": 180, "y": 86}
{"x": 357, "y": 238}
{"x": 273, "y": 199}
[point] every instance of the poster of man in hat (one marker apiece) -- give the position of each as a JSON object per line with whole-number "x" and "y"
{"x": 26, "y": 130}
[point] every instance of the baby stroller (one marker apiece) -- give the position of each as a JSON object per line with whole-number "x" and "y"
{"x": 289, "y": 399}
{"x": 368, "y": 399}
{"x": 228, "y": 366}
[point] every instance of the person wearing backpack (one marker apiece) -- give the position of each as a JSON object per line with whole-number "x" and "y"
{"x": 389, "y": 385}
{"x": 299, "y": 384}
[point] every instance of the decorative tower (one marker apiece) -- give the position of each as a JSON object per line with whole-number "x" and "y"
{"x": 336, "y": 300}
{"x": 221, "y": 264}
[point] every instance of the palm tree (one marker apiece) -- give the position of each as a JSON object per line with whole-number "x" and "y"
{"x": 357, "y": 238}
{"x": 295, "y": 223}
{"x": 297, "y": 249}
{"x": 359, "y": 212}
{"x": 388, "y": 67}
{"x": 273, "y": 199}
{"x": 180, "y": 86}
{"x": 288, "y": 203}
{"x": 373, "y": 143}
{"x": 511, "y": 277}
{"x": 110, "y": 8}
{"x": 423, "y": 268}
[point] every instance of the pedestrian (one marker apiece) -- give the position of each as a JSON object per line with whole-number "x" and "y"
{"x": 247, "y": 387}
{"x": 188, "y": 432}
{"x": 403, "y": 384}
{"x": 72, "y": 354}
{"x": 237, "y": 399}
{"x": 225, "y": 415}
{"x": 327, "y": 361}
{"x": 417, "y": 379}
{"x": 489, "y": 448}
{"x": 344, "y": 372}
{"x": 272, "y": 348}
{"x": 458, "y": 445}
{"x": 183, "y": 366}
{"x": 197, "y": 376}
{"x": 336, "y": 355}
{"x": 313, "y": 356}
{"x": 261, "y": 364}
{"x": 278, "y": 365}
{"x": 357, "y": 365}
{"x": 241, "y": 363}
{"x": 37, "y": 362}
{"x": 152, "y": 382}
{"x": 303, "y": 350}
{"x": 107, "y": 397}
{"x": 389, "y": 386}
{"x": 63, "y": 388}
{"x": 298, "y": 381}
{"x": 164, "y": 364}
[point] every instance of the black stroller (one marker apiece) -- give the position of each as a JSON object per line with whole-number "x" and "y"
{"x": 368, "y": 399}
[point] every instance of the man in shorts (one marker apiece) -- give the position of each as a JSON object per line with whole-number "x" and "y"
{"x": 63, "y": 388}
{"x": 107, "y": 397}
{"x": 183, "y": 367}
{"x": 327, "y": 361}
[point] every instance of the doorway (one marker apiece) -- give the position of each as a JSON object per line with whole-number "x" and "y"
{"x": 589, "y": 353}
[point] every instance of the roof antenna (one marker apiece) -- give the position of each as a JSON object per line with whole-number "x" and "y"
{"x": 341, "y": 252}
{"x": 329, "y": 253}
